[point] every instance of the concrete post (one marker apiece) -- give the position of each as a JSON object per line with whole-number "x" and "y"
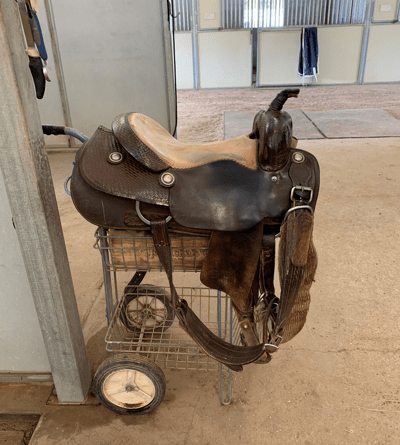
{"x": 27, "y": 177}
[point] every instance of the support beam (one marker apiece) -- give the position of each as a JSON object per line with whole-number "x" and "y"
{"x": 27, "y": 178}
{"x": 195, "y": 45}
{"x": 369, "y": 13}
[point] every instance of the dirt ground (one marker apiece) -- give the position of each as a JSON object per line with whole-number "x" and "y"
{"x": 337, "y": 382}
{"x": 201, "y": 113}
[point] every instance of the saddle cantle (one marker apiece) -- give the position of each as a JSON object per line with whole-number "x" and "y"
{"x": 241, "y": 192}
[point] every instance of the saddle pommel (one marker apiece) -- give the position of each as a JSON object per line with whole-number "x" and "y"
{"x": 273, "y": 129}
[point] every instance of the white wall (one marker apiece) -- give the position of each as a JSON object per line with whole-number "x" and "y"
{"x": 225, "y": 59}
{"x": 279, "y": 57}
{"x": 383, "y": 56}
{"x": 339, "y": 54}
{"x": 385, "y": 10}
{"x": 209, "y": 14}
{"x": 184, "y": 60}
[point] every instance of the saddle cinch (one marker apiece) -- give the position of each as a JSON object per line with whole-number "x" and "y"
{"x": 243, "y": 193}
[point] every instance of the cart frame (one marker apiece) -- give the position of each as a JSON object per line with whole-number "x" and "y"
{"x": 168, "y": 346}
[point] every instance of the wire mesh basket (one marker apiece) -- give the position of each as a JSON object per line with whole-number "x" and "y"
{"x": 134, "y": 250}
{"x": 144, "y": 323}
{"x": 141, "y": 320}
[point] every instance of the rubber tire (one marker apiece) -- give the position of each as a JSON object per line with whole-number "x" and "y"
{"x": 121, "y": 362}
{"x": 160, "y": 294}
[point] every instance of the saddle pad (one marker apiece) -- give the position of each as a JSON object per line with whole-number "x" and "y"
{"x": 226, "y": 196}
{"x": 129, "y": 179}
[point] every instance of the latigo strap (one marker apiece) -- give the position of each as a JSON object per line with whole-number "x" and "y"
{"x": 230, "y": 355}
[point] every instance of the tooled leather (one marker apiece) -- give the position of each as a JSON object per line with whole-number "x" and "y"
{"x": 306, "y": 174}
{"x": 273, "y": 129}
{"x": 129, "y": 179}
{"x": 134, "y": 146}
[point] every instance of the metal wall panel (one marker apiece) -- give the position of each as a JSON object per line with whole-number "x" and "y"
{"x": 339, "y": 55}
{"x": 279, "y": 57}
{"x": 225, "y": 59}
{"x": 182, "y": 10}
{"x": 22, "y": 346}
{"x": 184, "y": 60}
{"x": 50, "y": 107}
{"x": 116, "y": 58}
{"x": 383, "y": 56}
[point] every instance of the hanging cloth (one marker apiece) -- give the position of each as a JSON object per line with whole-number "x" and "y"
{"x": 308, "y": 60}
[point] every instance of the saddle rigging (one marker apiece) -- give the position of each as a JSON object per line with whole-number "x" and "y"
{"x": 242, "y": 193}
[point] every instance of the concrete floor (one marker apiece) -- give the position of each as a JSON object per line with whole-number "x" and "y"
{"x": 337, "y": 382}
{"x": 332, "y": 124}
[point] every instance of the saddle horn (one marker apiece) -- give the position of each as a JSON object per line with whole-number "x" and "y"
{"x": 273, "y": 129}
{"x": 282, "y": 97}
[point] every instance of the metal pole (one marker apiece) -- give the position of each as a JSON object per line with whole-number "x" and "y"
{"x": 195, "y": 46}
{"x": 27, "y": 178}
{"x": 364, "y": 46}
{"x": 59, "y": 69}
{"x": 105, "y": 257}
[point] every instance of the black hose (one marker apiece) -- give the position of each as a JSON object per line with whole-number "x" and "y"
{"x": 57, "y": 130}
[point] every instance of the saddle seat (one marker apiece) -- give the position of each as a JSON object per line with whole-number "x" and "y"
{"x": 160, "y": 151}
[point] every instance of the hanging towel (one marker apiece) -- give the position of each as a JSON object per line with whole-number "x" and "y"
{"x": 308, "y": 60}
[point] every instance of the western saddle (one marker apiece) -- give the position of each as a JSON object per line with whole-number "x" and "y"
{"x": 242, "y": 193}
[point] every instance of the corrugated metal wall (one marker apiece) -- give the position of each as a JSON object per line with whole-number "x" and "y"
{"x": 242, "y": 14}
{"x": 182, "y": 15}
{"x": 287, "y": 13}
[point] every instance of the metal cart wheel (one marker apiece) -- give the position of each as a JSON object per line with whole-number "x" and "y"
{"x": 146, "y": 307}
{"x": 129, "y": 384}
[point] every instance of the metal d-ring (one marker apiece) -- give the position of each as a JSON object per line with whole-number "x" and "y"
{"x": 145, "y": 220}
{"x": 292, "y": 209}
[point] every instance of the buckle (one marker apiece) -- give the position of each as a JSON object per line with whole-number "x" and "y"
{"x": 302, "y": 188}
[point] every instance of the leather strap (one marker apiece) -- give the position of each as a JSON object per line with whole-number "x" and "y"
{"x": 159, "y": 231}
{"x": 230, "y": 355}
{"x": 268, "y": 264}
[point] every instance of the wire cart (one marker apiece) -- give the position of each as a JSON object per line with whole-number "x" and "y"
{"x": 142, "y": 332}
